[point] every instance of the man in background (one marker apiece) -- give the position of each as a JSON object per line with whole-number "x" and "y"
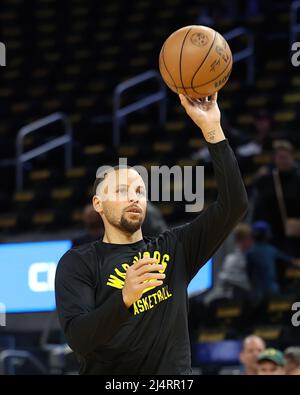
{"x": 154, "y": 223}
{"x": 232, "y": 280}
{"x": 93, "y": 227}
{"x": 253, "y": 346}
{"x": 263, "y": 262}
{"x": 261, "y": 138}
{"x": 271, "y": 362}
{"x": 266, "y": 204}
{"x": 292, "y": 357}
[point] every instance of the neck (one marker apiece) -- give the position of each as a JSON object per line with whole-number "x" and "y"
{"x": 116, "y": 236}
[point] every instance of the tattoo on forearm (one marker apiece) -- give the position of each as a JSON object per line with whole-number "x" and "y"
{"x": 211, "y": 135}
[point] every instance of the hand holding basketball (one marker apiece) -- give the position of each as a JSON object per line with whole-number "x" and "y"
{"x": 202, "y": 111}
{"x": 206, "y": 114}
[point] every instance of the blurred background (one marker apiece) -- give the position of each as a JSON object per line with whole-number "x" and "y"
{"x": 80, "y": 89}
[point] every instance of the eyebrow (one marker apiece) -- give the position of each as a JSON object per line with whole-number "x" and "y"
{"x": 127, "y": 186}
{"x": 117, "y": 186}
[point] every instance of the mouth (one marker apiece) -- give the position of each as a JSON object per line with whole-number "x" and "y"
{"x": 134, "y": 210}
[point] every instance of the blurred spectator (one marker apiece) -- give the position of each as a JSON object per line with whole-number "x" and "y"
{"x": 267, "y": 203}
{"x": 253, "y": 346}
{"x": 262, "y": 259}
{"x": 154, "y": 223}
{"x": 271, "y": 362}
{"x": 93, "y": 227}
{"x": 261, "y": 140}
{"x": 284, "y": 156}
{"x": 234, "y": 134}
{"x": 283, "y": 159}
{"x": 292, "y": 357}
{"x": 232, "y": 280}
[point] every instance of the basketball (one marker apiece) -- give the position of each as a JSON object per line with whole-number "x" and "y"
{"x": 195, "y": 61}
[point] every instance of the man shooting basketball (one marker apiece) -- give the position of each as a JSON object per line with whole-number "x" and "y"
{"x": 122, "y": 301}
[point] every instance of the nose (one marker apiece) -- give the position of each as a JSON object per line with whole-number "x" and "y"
{"x": 133, "y": 197}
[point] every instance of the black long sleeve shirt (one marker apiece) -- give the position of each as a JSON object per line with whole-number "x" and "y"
{"x": 151, "y": 337}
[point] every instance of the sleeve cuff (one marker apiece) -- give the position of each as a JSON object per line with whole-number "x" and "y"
{"x": 219, "y": 144}
{"x": 121, "y": 308}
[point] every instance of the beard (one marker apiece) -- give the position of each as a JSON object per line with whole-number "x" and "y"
{"x": 127, "y": 223}
{"x": 130, "y": 226}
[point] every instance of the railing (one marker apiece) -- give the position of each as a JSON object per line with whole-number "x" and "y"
{"x": 120, "y": 113}
{"x": 19, "y": 354}
{"x": 246, "y": 54}
{"x": 65, "y": 139}
{"x": 294, "y": 25}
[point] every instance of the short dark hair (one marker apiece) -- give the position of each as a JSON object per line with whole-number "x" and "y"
{"x": 283, "y": 145}
{"x": 261, "y": 231}
{"x": 242, "y": 232}
{"x": 293, "y": 353}
{"x": 101, "y": 176}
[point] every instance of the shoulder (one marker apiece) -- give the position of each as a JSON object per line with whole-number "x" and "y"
{"x": 265, "y": 246}
{"x": 164, "y": 239}
{"x": 79, "y": 258}
{"x": 233, "y": 257}
{"x": 86, "y": 251}
{"x": 272, "y": 249}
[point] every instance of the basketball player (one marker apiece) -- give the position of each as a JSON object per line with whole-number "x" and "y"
{"x": 122, "y": 301}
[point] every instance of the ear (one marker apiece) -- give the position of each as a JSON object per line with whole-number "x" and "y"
{"x": 97, "y": 204}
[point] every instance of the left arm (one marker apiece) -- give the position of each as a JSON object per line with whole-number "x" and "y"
{"x": 203, "y": 236}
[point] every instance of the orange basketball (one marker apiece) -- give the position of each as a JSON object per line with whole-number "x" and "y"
{"x": 196, "y": 61}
